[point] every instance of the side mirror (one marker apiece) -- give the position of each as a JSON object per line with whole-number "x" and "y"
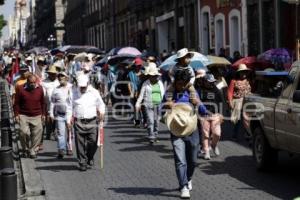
{"x": 296, "y": 96}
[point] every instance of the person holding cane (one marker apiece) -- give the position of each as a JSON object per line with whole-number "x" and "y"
{"x": 87, "y": 106}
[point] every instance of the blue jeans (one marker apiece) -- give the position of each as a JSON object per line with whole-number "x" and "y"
{"x": 185, "y": 151}
{"x": 61, "y": 128}
{"x": 152, "y": 121}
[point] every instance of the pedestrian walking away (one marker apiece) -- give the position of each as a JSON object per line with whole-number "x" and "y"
{"x": 87, "y": 106}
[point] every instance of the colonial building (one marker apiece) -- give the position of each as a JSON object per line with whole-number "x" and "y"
{"x": 223, "y": 24}
{"x": 74, "y": 22}
{"x": 49, "y": 27}
{"x": 30, "y": 28}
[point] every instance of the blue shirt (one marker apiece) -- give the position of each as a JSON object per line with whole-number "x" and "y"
{"x": 134, "y": 79}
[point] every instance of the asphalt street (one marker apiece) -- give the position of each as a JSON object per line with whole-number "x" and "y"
{"x": 135, "y": 170}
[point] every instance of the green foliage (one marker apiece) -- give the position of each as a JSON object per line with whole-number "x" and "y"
{"x": 2, "y": 24}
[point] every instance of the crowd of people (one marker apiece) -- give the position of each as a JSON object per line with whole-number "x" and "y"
{"x": 58, "y": 97}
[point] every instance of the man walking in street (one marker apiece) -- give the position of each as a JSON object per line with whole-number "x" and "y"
{"x": 61, "y": 113}
{"x": 29, "y": 112}
{"x": 87, "y": 106}
{"x": 49, "y": 85}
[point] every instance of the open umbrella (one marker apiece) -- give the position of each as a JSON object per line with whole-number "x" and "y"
{"x": 130, "y": 51}
{"x": 279, "y": 55}
{"x": 198, "y": 61}
{"x": 118, "y": 54}
{"x": 94, "y": 50}
{"x": 218, "y": 61}
{"x": 38, "y": 50}
{"x": 252, "y": 63}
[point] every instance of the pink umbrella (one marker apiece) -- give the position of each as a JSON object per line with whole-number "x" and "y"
{"x": 252, "y": 63}
{"x": 129, "y": 50}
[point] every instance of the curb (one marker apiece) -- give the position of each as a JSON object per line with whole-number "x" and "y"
{"x": 34, "y": 188}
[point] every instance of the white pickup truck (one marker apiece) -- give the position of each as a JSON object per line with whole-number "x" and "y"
{"x": 275, "y": 118}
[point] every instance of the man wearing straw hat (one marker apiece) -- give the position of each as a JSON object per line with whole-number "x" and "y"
{"x": 49, "y": 84}
{"x": 87, "y": 107}
{"x": 181, "y": 120}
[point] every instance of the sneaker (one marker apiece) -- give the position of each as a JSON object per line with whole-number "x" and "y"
{"x": 185, "y": 193}
{"x": 207, "y": 155}
{"x": 151, "y": 141}
{"x": 90, "y": 164}
{"x": 216, "y": 150}
{"x": 33, "y": 156}
{"x": 201, "y": 154}
{"x": 69, "y": 152}
{"x": 156, "y": 140}
{"x": 190, "y": 185}
{"x": 60, "y": 154}
{"x": 82, "y": 167}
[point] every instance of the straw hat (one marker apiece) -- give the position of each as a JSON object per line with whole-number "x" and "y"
{"x": 183, "y": 53}
{"x": 52, "y": 69}
{"x": 152, "y": 70}
{"x": 63, "y": 74}
{"x": 181, "y": 120}
{"x": 242, "y": 67}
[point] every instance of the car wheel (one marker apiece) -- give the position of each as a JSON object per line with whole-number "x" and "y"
{"x": 264, "y": 155}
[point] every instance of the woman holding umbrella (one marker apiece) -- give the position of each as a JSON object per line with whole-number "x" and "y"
{"x": 238, "y": 89}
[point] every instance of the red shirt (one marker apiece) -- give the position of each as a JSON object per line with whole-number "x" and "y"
{"x": 29, "y": 103}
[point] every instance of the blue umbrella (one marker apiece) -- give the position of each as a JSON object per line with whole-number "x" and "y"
{"x": 198, "y": 61}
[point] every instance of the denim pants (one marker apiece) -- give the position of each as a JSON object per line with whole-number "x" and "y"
{"x": 152, "y": 121}
{"x": 62, "y": 133}
{"x": 185, "y": 151}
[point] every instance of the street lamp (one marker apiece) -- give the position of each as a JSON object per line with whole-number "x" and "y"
{"x": 51, "y": 39}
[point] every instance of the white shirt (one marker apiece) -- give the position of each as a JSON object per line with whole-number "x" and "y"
{"x": 86, "y": 105}
{"x": 48, "y": 87}
{"x": 61, "y": 98}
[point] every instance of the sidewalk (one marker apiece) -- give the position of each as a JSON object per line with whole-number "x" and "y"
{"x": 135, "y": 170}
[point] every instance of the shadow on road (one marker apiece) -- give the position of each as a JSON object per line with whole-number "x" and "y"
{"x": 282, "y": 181}
{"x": 145, "y": 191}
{"x": 58, "y": 168}
{"x": 56, "y": 160}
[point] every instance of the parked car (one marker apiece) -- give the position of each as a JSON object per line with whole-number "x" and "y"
{"x": 274, "y": 121}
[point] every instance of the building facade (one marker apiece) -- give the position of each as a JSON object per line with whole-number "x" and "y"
{"x": 48, "y": 22}
{"x": 223, "y": 24}
{"x": 274, "y": 23}
{"x": 75, "y": 31}
{"x": 247, "y": 26}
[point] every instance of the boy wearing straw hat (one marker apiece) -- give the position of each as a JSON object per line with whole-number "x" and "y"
{"x": 183, "y": 64}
